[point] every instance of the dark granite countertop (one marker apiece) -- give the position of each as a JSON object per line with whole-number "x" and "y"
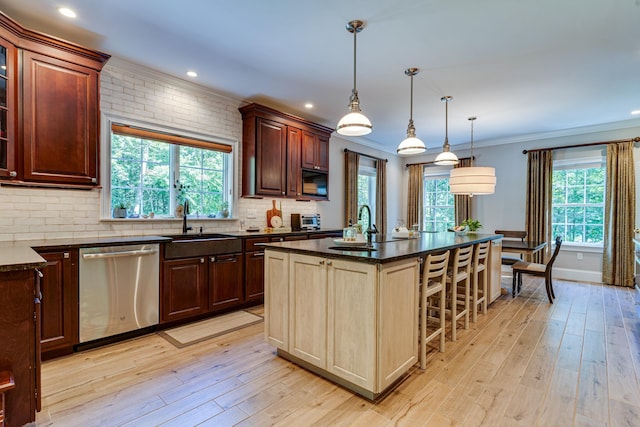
{"x": 387, "y": 249}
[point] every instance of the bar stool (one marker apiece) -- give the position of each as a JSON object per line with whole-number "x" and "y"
{"x": 479, "y": 281}
{"x": 432, "y": 301}
{"x": 6, "y": 383}
{"x": 458, "y": 284}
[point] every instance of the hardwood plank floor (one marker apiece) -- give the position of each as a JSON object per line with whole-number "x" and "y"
{"x": 527, "y": 362}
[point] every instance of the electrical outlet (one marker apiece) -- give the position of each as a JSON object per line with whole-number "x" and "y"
{"x": 579, "y": 255}
{"x": 251, "y": 213}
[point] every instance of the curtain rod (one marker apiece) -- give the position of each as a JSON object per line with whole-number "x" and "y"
{"x": 636, "y": 139}
{"x": 346, "y": 150}
{"x": 433, "y": 163}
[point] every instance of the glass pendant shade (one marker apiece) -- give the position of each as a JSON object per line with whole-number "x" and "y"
{"x": 472, "y": 180}
{"x": 411, "y": 144}
{"x": 354, "y": 123}
{"x": 446, "y": 158}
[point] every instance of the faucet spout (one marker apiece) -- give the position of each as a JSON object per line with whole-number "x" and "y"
{"x": 185, "y": 228}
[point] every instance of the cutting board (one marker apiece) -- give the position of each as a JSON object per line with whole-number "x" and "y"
{"x": 273, "y": 212}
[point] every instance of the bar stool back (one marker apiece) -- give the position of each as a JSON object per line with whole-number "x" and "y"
{"x": 458, "y": 284}
{"x": 479, "y": 282}
{"x": 432, "y": 302}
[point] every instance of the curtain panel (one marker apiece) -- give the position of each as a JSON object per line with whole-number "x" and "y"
{"x": 619, "y": 216}
{"x": 415, "y": 195}
{"x": 351, "y": 163}
{"x": 538, "y": 215}
{"x": 462, "y": 203}
{"x": 381, "y": 196}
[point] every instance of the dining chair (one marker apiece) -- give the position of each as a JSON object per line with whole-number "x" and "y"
{"x": 512, "y": 234}
{"x": 432, "y": 302}
{"x": 479, "y": 279}
{"x": 458, "y": 284}
{"x": 535, "y": 269}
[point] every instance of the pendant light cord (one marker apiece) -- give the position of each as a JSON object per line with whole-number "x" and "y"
{"x": 355, "y": 32}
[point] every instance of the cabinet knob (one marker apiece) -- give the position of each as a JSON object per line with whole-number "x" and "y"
{"x": 201, "y": 260}
{"x": 322, "y": 262}
{"x": 212, "y": 259}
{"x": 66, "y": 255}
{"x": 13, "y": 174}
{"x": 283, "y": 193}
{"x": 329, "y": 263}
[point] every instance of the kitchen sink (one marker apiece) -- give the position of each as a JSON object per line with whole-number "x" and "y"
{"x": 187, "y": 246}
{"x": 353, "y": 248}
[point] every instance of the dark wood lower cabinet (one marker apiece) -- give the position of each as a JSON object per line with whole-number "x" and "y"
{"x": 59, "y": 314}
{"x": 254, "y": 275}
{"x": 225, "y": 281}
{"x": 184, "y": 291}
{"x": 19, "y": 344}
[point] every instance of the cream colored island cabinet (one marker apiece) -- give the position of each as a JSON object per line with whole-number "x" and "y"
{"x": 352, "y": 322}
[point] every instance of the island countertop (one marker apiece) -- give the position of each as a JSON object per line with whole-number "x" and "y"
{"x": 386, "y": 249}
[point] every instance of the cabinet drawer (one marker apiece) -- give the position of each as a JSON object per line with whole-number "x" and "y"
{"x": 250, "y": 244}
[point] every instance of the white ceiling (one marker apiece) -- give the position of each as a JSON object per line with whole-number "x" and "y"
{"x": 525, "y": 68}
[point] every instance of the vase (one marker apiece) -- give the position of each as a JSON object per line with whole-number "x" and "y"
{"x": 179, "y": 211}
{"x": 119, "y": 212}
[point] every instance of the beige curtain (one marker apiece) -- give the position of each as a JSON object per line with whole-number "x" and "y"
{"x": 381, "y": 196}
{"x": 538, "y": 216}
{"x": 351, "y": 161}
{"x": 462, "y": 203}
{"x": 415, "y": 195}
{"x": 619, "y": 216}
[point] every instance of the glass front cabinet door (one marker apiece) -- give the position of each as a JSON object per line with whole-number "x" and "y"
{"x": 7, "y": 109}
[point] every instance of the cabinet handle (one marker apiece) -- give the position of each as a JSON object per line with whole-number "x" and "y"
{"x": 94, "y": 180}
{"x": 13, "y": 174}
{"x": 201, "y": 260}
{"x": 258, "y": 254}
{"x": 212, "y": 259}
{"x": 66, "y": 255}
{"x": 39, "y": 277}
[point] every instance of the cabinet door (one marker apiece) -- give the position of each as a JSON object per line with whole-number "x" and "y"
{"x": 254, "y": 276}
{"x": 351, "y": 329}
{"x": 308, "y": 308}
{"x": 8, "y": 74}
{"x": 225, "y": 281}
{"x": 184, "y": 289}
{"x": 59, "y": 304}
{"x": 294, "y": 174}
{"x": 315, "y": 151}
{"x": 276, "y": 299}
{"x": 271, "y": 156}
{"x": 60, "y": 121}
{"x": 495, "y": 269}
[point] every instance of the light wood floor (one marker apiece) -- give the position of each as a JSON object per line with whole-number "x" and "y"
{"x": 576, "y": 362}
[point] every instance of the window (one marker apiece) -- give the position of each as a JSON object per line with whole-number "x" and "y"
{"x": 578, "y": 199}
{"x": 367, "y": 189}
{"x": 156, "y": 172}
{"x": 438, "y": 202}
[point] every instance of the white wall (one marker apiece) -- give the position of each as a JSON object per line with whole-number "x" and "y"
{"x": 144, "y": 95}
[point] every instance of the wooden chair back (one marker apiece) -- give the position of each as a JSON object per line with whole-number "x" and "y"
{"x": 549, "y": 264}
{"x": 513, "y": 234}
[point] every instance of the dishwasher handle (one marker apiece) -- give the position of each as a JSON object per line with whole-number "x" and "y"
{"x": 139, "y": 252}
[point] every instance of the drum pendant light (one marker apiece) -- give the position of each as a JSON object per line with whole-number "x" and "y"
{"x": 354, "y": 123}
{"x": 411, "y": 144}
{"x": 472, "y": 180}
{"x": 446, "y": 157}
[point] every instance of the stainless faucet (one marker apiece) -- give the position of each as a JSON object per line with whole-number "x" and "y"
{"x": 371, "y": 228}
{"x": 184, "y": 218}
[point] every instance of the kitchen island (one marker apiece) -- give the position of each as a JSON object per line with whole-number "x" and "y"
{"x": 350, "y": 316}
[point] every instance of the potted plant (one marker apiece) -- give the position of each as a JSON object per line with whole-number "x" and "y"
{"x": 120, "y": 210}
{"x": 473, "y": 225}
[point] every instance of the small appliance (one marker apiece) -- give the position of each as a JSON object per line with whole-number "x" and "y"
{"x": 295, "y": 222}
{"x": 309, "y": 222}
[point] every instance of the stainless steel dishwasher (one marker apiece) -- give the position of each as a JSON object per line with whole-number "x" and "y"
{"x": 119, "y": 289}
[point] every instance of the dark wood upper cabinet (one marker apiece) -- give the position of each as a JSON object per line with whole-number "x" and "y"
{"x": 275, "y": 148}
{"x": 50, "y": 135}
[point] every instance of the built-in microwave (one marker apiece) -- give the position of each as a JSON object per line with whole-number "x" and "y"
{"x": 314, "y": 183}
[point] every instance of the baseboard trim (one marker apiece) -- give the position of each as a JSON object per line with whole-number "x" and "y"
{"x": 577, "y": 275}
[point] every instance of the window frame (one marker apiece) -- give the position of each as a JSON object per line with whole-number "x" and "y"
{"x": 369, "y": 171}
{"x": 105, "y": 164}
{"x": 573, "y": 160}
{"x": 433, "y": 173}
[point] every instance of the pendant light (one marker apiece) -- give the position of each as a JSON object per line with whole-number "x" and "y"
{"x": 446, "y": 157}
{"x": 472, "y": 180}
{"x": 354, "y": 123}
{"x": 411, "y": 144}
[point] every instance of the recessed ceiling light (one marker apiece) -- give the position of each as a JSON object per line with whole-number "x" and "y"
{"x": 192, "y": 74}
{"x": 635, "y": 112}
{"x": 67, "y": 12}
{"x": 308, "y": 105}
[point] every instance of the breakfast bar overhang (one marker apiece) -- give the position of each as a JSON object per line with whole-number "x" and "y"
{"x": 351, "y": 316}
